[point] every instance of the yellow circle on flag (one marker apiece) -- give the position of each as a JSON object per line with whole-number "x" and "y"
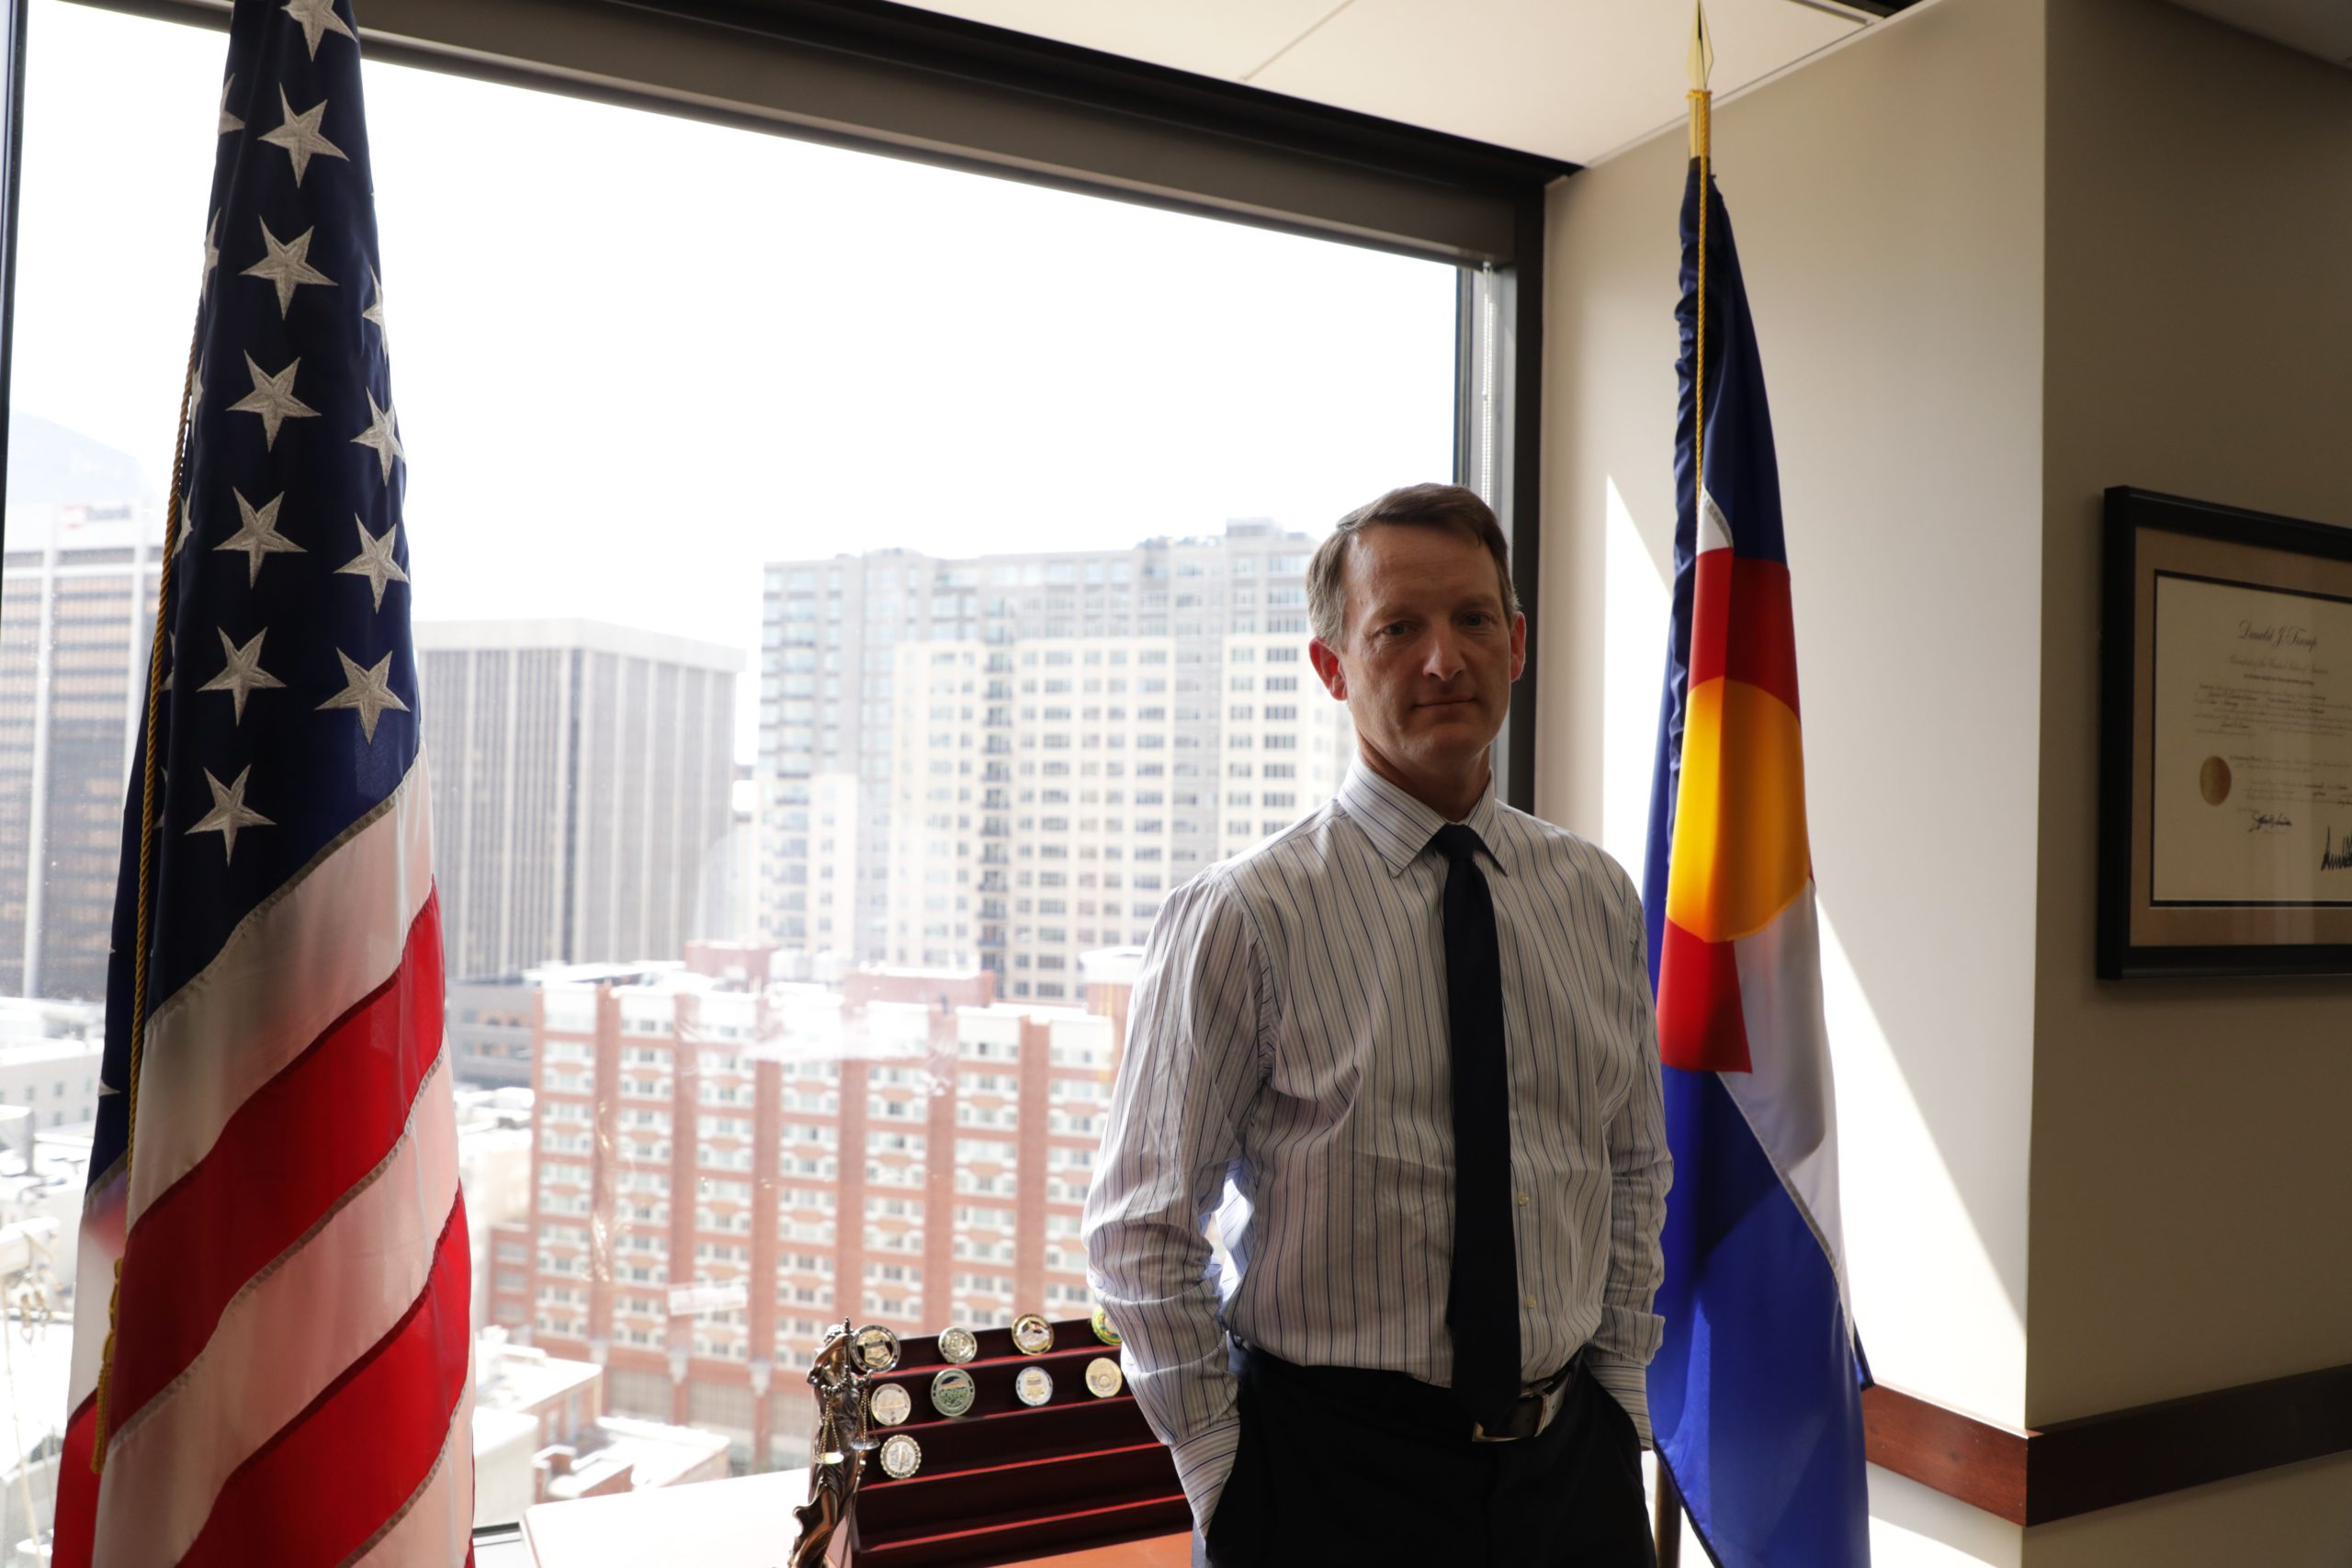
{"x": 1740, "y": 849}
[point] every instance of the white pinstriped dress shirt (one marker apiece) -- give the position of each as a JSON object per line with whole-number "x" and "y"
{"x": 1287, "y": 1067}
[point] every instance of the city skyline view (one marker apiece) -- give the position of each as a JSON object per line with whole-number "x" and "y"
{"x": 848, "y": 596}
{"x": 607, "y": 352}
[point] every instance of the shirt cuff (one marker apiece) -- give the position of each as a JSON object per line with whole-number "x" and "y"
{"x": 1627, "y": 1382}
{"x": 1630, "y": 1334}
{"x": 1204, "y": 1463}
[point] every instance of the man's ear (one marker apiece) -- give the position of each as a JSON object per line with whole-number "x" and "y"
{"x": 1327, "y": 669}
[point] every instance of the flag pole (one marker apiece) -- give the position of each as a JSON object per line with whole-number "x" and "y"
{"x": 1667, "y": 1527}
{"x": 142, "y": 937}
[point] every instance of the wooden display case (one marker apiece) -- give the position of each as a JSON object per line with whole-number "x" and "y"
{"x": 1010, "y": 1481}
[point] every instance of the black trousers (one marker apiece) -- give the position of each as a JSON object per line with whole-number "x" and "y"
{"x": 1342, "y": 1465}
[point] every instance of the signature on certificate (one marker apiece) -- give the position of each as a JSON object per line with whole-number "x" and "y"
{"x": 2267, "y": 822}
{"x": 2336, "y": 855}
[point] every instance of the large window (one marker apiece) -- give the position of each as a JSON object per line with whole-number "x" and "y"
{"x": 850, "y": 595}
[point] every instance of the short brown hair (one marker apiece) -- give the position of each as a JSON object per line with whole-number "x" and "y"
{"x": 1450, "y": 508}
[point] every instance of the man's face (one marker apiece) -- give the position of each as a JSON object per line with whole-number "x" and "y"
{"x": 1426, "y": 655}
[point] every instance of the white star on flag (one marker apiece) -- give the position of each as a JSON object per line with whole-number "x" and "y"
{"x": 229, "y": 813}
{"x": 380, "y": 434}
{"x": 211, "y": 254}
{"x": 317, "y": 17}
{"x": 228, "y": 122}
{"x": 188, "y": 525}
{"x": 258, "y": 535}
{"x": 287, "y": 265}
{"x": 370, "y": 692}
{"x": 273, "y": 398}
{"x": 375, "y": 311}
{"x": 243, "y": 674}
{"x": 375, "y": 560}
{"x": 300, "y": 136}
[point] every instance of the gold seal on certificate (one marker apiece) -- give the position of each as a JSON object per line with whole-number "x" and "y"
{"x": 1032, "y": 1334}
{"x": 952, "y": 1392}
{"x": 957, "y": 1345}
{"x": 901, "y": 1456}
{"x": 1034, "y": 1386}
{"x": 1103, "y": 1378}
{"x": 1103, "y": 1329}
{"x": 876, "y": 1349}
{"x": 890, "y": 1403}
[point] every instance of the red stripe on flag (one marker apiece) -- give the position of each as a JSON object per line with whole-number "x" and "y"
{"x": 77, "y": 1490}
{"x": 332, "y": 1477}
{"x": 1699, "y": 1025}
{"x": 290, "y": 1152}
{"x": 1742, "y": 624}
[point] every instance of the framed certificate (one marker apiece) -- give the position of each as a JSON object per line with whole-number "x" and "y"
{"x": 2225, "y": 778}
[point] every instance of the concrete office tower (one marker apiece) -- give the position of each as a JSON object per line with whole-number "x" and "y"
{"x": 77, "y": 607}
{"x": 1040, "y": 746}
{"x": 581, "y": 781}
{"x": 719, "y": 1172}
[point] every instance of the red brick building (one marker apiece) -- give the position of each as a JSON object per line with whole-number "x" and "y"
{"x": 722, "y": 1169}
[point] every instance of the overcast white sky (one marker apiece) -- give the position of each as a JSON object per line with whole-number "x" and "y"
{"x": 634, "y": 356}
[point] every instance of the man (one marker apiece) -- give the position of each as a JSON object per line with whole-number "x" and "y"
{"x": 1407, "y": 1045}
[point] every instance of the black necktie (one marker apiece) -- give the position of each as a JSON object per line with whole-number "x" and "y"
{"x": 1482, "y": 1302}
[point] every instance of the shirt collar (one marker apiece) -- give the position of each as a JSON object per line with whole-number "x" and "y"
{"x": 1400, "y": 826}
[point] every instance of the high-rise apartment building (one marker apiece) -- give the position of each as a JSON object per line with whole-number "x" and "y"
{"x": 1009, "y": 760}
{"x": 582, "y": 778}
{"x": 77, "y": 608}
{"x": 719, "y": 1172}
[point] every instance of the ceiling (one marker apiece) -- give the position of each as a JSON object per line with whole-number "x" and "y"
{"x": 1572, "y": 79}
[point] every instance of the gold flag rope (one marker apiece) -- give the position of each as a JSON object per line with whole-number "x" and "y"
{"x": 148, "y": 774}
{"x": 1667, "y": 1523}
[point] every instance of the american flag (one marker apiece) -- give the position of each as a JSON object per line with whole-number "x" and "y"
{"x": 287, "y": 1380}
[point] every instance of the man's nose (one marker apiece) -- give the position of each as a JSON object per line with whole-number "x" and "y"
{"x": 1443, "y": 659}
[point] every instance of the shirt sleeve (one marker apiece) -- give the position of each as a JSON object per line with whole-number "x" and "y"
{"x": 1190, "y": 1070}
{"x": 1640, "y": 1171}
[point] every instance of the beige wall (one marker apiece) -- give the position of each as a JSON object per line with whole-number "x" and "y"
{"x": 2190, "y": 1167}
{"x": 2190, "y": 1170}
{"x": 2004, "y": 254}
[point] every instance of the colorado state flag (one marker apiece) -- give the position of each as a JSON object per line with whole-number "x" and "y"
{"x": 1755, "y": 1394}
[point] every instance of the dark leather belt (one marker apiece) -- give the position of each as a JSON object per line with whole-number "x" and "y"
{"x": 1394, "y": 1402}
{"x": 1534, "y": 1408}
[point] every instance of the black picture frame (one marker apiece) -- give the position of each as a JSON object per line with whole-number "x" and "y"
{"x": 2149, "y": 536}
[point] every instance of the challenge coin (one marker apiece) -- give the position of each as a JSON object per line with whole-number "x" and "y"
{"x": 891, "y": 1404}
{"x": 957, "y": 1345}
{"x": 1103, "y": 1329}
{"x": 877, "y": 1348}
{"x": 901, "y": 1456}
{"x": 1033, "y": 1334}
{"x": 1103, "y": 1378}
{"x": 1034, "y": 1386}
{"x": 951, "y": 1391}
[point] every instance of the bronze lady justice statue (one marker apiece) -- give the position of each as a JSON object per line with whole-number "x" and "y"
{"x": 843, "y": 1363}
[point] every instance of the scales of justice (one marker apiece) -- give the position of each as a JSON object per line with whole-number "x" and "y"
{"x": 847, "y": 1361}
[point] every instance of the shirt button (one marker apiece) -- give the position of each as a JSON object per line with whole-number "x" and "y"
{"x": 1522, "y": 1200}
{"x": 1531, "y": 1300}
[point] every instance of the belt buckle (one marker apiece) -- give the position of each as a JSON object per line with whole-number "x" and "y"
{"x": 1525, "y": 1404}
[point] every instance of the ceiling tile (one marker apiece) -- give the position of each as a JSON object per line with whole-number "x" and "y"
{"x": 1570, "y": 78}
{"x": 1215, "y": 37}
